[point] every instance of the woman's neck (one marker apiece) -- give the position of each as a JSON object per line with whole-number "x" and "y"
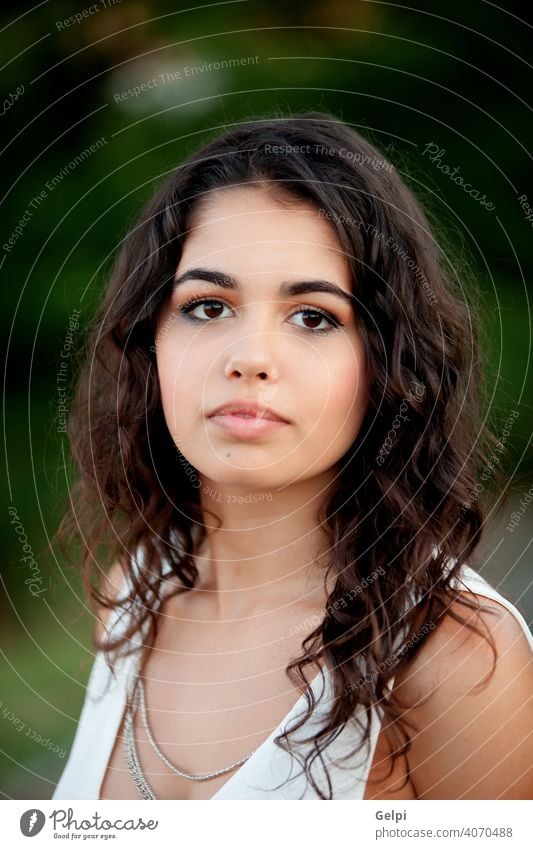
{"x": 266, "y": 553}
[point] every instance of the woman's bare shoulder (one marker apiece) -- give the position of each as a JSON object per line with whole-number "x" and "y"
{"x": 473, "y": 716}
{"x": 454, "y": 648}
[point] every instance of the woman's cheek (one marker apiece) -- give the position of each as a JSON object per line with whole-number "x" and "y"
{"x": 348, "y": 394}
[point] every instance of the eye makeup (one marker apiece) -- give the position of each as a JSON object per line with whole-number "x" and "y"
{"x": 186, "y": 309}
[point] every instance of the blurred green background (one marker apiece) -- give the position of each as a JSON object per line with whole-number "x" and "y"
{"x": 80, "y": 157}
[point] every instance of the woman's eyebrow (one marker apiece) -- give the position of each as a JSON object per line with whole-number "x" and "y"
{"x": 301, "y": 287}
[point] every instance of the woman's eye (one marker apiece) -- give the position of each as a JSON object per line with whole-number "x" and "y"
{"x": 211, "y": 310}
{"x": 189, "y": 308}
{"x": 316, "y": 316}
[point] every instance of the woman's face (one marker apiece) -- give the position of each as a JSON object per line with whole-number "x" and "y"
{"x": 296, "y": 354}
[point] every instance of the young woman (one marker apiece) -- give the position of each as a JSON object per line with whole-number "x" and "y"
{"x": 279, "y": 430}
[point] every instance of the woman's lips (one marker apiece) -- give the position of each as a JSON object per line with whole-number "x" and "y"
{"x": 245, "y": 426}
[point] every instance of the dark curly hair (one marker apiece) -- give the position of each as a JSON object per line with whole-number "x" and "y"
{"x": 406, "y": 511}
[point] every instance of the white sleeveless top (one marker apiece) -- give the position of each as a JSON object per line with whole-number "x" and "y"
{"x": 269, "y": 766}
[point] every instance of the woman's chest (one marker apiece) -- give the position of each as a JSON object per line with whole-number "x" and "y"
{"x": 210, "y": 700}
{"x": 212, "y": 697}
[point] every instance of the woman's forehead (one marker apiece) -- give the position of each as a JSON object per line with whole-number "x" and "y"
{"x": 254, "y": 230}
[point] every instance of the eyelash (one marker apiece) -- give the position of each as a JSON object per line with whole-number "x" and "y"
{"x": 186, "y": 308}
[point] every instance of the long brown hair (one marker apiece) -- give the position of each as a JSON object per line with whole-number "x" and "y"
{"x": 407, "y": 511}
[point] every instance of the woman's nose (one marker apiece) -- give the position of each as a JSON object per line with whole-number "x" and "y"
{"x": 254, "y": 355}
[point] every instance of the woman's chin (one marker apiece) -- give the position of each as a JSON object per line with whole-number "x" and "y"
{"x": 225, "y": 483}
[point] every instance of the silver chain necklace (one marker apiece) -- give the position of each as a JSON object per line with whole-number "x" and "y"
{"x": 132, "y": 755}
